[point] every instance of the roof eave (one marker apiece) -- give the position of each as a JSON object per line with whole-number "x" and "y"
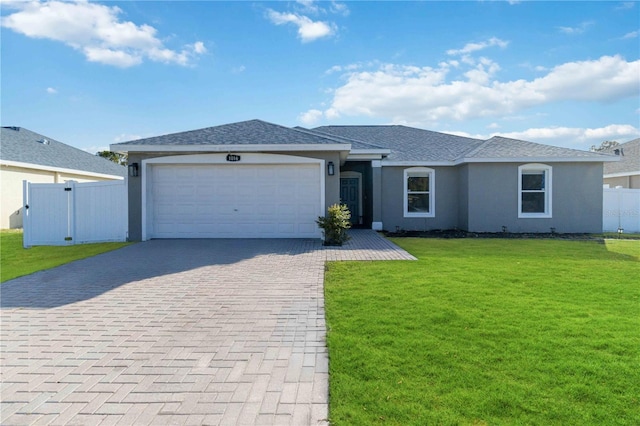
{"x": 537, "y": 160}
{"x": 33, "y": 166}
{"x": 127, "y": 148}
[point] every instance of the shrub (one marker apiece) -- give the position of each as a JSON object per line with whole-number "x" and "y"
{"x": 334, "y": 226}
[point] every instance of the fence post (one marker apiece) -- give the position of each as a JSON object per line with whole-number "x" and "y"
{"x": 26, "y": 217}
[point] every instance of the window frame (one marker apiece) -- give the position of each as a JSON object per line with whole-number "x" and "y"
{"x": 548, "y": 190}
{"x": 419, "y": 172}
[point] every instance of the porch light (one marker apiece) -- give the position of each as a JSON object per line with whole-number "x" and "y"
{"x": 133, "y": 169}
{"x": 331, "y": 169}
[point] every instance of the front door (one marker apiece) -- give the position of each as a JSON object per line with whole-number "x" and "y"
{"x": 350, "y": 195}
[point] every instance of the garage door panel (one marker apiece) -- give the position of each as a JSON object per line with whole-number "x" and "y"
{"x": 235, "y": 201}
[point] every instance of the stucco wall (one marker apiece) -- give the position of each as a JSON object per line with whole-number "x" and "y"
{"x": 11, "y": 178}
{"x": 576, "y": 202}
{"x": 446, "y": 201}
{"x": 631, "y": 182}
{"x": 332, "y": 184}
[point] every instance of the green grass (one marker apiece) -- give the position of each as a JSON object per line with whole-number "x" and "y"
{"x": 496, "y": 332}
{"x": 15, "y": 261}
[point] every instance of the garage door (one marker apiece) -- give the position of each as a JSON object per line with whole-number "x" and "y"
{"x": 235, "y": 201}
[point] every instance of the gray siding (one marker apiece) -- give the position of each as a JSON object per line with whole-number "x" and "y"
{"x": 483, "y": 197}
{"x": 446, "y": 201}
{"x": 576, "y": 202}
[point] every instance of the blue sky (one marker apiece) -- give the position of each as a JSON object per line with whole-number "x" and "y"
{"x": 94, "y": 73}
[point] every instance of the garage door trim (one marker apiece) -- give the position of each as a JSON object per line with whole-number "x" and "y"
{"x": 220, "y": 159}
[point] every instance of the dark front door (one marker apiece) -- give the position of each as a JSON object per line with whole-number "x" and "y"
{"x": 350, "y": 195}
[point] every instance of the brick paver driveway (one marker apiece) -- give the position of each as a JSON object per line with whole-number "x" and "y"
{"x": 174, "y": 332}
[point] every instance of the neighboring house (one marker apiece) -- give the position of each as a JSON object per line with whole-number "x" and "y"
{"x": 255, "y": 179}
{"x": 26, "y": 155}
{"x": 626, "y": 172}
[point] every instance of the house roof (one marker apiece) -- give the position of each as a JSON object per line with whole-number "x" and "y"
{"x": 21, "y": 145}
{"x": 251, "y": 132}
{"x": 629, "y": 154}
{"x": 407, "y": 143}
{"x": 396, "y": 143}
{"x": 411, "y": 144}
{"x": 499, "y": 147}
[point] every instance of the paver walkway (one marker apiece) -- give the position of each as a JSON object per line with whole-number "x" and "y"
{"x": 174, "y": 332}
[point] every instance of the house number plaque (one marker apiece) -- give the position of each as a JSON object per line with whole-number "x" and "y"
{"x": 233, "y": 157}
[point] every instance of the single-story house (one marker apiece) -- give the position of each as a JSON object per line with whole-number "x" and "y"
{"x": 255, "y": 179}
{"x": 30, "y": 156}
{"x": 626, "y": 172}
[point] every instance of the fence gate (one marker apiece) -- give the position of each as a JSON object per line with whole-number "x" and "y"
{"x": 74, "y": 213}
{"x": 621, "y": 210}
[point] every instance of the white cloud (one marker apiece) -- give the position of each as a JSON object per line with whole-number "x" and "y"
{"x": 238, "y": 70}
{"x": 576, "y": 30}
{"x": 401, "y": 93}
{"x": 51, "y": 91}
{"x": 97, "y": 31}
{"x": 632, "y": 34}
{"x": 576, "y": 137}
{"x": 626, "y": 5}
{"x": 310, "y": 117}
{"x": 339, "y": 8}
{"x": 474, "y": 47}
{"x": 308, "y": 30}
{"x": 124, "y": 137}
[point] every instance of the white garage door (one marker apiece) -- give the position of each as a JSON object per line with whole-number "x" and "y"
{"x": 235, "y": 201}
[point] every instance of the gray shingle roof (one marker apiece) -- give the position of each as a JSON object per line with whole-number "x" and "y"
{"x": 629, "y": 154}
{"x": 252, "y": 132}
{"x": 408, "y": 143}
{"x": 411, "y": 144}
{"x": 499, "y": 147}
{"x": 23, "y": 145}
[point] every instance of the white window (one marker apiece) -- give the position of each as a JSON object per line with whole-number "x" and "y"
{"x": 534, "y": 191}
{"x": 419, "y": 185}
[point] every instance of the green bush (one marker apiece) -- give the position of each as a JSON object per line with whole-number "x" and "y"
{"x": 334, "y": 226}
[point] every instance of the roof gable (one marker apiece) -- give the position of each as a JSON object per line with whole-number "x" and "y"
{"x": 251, "y": 132}
{"x": 24, "y": 146}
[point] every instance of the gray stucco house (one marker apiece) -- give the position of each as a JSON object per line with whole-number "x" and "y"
{"x": 255, "y": 179}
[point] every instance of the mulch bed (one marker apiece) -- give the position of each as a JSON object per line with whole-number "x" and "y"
{"x": 456, "y": 233}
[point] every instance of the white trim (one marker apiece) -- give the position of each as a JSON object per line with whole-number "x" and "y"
{"x": 427, "y": 163}
{"x": 59, "y": 169}
{"x": 219, "y": 159}
{"x": 376, "y": 163}
{"x": 405, "y": 192}
{"x": 363, "y": 157}
{"x": 548, "y": 193}
{"x": 231, "y": 148}
{"x": 355, "y": 175}
{"x": 371, "y": 151}
{"x": 377, "y": 226}
{"x": 417, "y": 163}
{"x": 538, "y": 160}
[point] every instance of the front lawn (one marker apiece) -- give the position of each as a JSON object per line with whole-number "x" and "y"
{"x": 15, "y": 261}
{"x": 495, "y": 332}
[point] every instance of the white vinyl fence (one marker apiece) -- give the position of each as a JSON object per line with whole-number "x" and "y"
{"x": 621, "y": 210}
{"x": 74, "y": 213}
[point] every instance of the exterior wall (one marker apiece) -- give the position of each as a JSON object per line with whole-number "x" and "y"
{"x": 446, "y": 201}
{"x": 332, "y": 184}
{"x": 11, "y": 190}
{"x": 576, "y": 199}
{"x": 463, "y": 192}
{"x": 631, "y": 181}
